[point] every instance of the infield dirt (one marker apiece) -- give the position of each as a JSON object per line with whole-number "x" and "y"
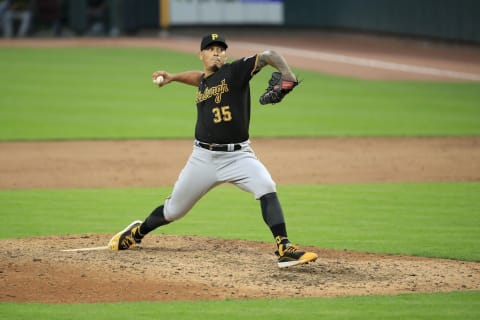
{"x": 191, "y": 267}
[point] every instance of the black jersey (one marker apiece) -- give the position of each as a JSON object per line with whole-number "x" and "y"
{"x": 223, "y": 103}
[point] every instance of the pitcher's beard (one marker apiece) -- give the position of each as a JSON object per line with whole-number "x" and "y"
{"x": 214, "y": 68}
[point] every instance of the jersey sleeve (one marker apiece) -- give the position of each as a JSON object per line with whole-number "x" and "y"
{"x": 246, "y": 68}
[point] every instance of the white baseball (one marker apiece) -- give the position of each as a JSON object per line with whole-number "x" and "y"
{"x": 158, "y": 80}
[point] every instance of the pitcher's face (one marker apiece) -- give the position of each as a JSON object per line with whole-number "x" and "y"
{"x": 213, "y": 58}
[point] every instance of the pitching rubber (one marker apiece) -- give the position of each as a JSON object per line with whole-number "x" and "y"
{"x": 86, "y": 249}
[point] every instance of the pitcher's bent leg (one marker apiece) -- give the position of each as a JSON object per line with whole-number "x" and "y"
{"x": 252, "y": 176}
{"x": 196, "y": 179}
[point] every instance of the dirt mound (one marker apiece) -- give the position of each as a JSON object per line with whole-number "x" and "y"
{"x": 190, "y": 267}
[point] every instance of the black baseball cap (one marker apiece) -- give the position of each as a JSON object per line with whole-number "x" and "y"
{"x": 212, "y": 38}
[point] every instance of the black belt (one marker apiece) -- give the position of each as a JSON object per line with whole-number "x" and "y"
{"x": 219, "y": 147}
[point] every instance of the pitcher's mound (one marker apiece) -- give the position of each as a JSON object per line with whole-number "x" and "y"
{"x": 190, "y": 267}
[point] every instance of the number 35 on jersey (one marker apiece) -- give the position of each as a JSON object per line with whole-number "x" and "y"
{"x": 221, "y": 114}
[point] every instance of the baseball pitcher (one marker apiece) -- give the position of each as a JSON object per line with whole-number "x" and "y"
{"x": 222, "y": 152}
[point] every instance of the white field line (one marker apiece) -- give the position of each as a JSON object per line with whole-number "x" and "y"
{"x": 86, "y": 249}
{"x": 363, "y": 62}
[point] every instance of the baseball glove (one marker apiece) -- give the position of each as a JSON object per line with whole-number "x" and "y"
{"x": 277, "y": 89}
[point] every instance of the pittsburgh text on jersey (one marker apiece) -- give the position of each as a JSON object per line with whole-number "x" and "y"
{"x": 216, "y": 91}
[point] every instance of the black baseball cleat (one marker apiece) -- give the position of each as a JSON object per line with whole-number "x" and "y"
{"x": 125, "y": 239}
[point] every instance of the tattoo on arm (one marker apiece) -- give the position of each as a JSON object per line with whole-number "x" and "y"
{"x": 275, "y": 60}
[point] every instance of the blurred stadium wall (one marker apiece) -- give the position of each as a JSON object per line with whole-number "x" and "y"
{"x": 438, "y": 19}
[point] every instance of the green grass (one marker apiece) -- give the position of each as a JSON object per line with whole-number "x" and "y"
{"x": 106, "y": 93}
{"x": 425, "y": 219}
{"x": 456, "y": 305}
